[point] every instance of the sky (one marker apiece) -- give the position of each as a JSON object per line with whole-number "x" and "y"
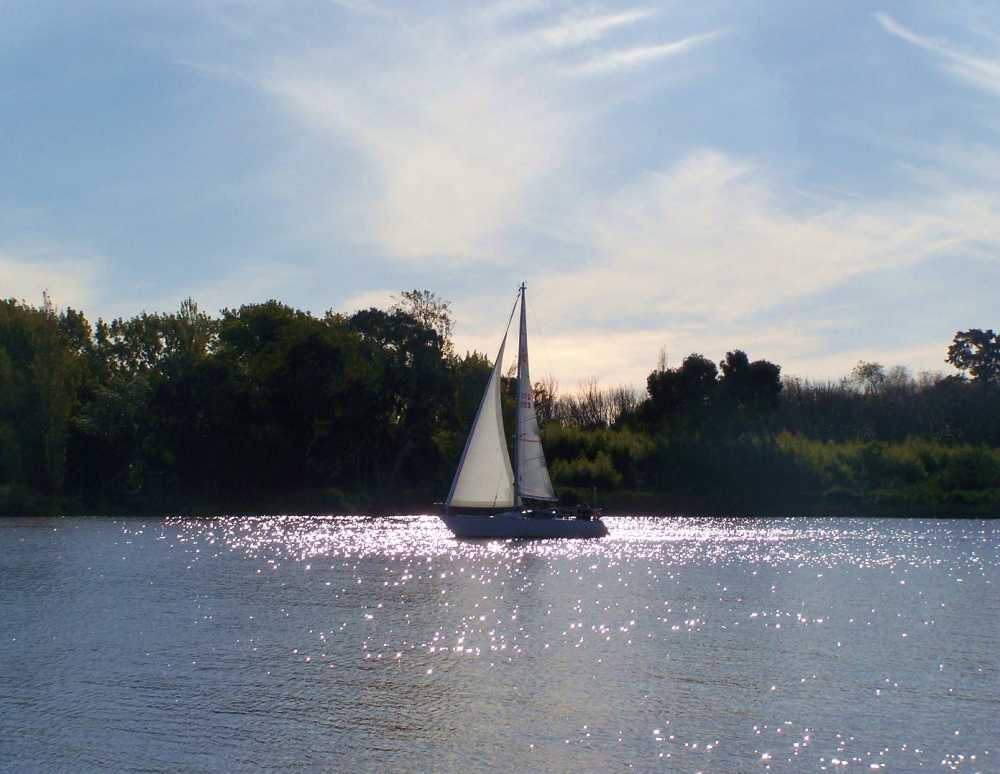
{"x": 814, "y": 183}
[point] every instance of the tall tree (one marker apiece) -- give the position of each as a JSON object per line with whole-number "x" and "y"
{"x": 870, "y": 378}
{"x": 429, "y": 310}
{"x": 754, "y": 388}
{"x": 413, "y": 393}
{"x": 188, "y": 335}
{"x": 43, "y": 365}
{"x": 677, "y": 391}
{"x": 977, "y": 352}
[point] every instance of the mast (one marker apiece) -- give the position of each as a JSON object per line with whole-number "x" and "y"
{"x": 522, "y": 363}
{"x": 531, "y": 475}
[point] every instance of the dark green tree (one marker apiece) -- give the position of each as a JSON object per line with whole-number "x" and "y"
{"x": 429, "y": 310}
{"x": 407, "y": 403}
{"x": 43, "y": 368}
{"x": 977, "y": 352}
{"x": 232, "y": 425}
{"x": 679, "y": 391}
{"x": 754, "y": 388}
{"x": 188, "y": 336}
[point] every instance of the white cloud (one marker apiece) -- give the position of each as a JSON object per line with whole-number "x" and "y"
{"x": 450, "y": 150}
{"x": 536, "y": 137}
{"x": 640, "y": 55}
{"x": 381, "y": 298}
{"x": 244, "y": 281}
{"x": 577, "y": 30}
{"x": 711, "y": 237}
{"x": 687, "y": 257}
{"x": 68, "y": 281}
{"x": 820, "y": 367}
{"x": 983, "y": 73}
{"x": 457, "y": 116}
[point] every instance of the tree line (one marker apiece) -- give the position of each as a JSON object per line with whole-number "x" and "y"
{"x": 738, "y": 437}
{"x": 266, "y": 407}
{"x": 263, "y": 402}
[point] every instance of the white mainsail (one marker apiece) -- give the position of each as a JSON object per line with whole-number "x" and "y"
{"x": 484, "y": 478}
{"x": 532, "y": 473}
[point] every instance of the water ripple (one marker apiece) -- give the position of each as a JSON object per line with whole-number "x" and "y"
{"x": 384, "y": 644}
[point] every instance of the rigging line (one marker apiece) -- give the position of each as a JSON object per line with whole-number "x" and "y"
{"x": 507, "y": 330}
{"x": 538, "y": 332}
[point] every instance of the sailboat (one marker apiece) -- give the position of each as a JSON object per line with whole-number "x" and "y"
{"x": 488, "y": 497}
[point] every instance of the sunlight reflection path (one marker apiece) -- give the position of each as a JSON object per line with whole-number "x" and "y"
{"x": 710, "y": 642}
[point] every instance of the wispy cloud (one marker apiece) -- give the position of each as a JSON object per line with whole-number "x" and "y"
{"x": 449, "y": 166}
{"x": 642, "y": 55}
{"x": 983, "y": 73}
{"x": 578, "y": 30}
{"x": 456, "y": 117}
{"x": 690, "y": 255}
{"x": 699, "y": 177}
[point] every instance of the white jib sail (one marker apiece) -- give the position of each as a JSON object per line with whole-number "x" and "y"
{"x": 484, "y": 478}
{"x": 532, "y": 473}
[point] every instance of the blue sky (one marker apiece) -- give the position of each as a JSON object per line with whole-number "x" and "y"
{"x": 814, "y": 183}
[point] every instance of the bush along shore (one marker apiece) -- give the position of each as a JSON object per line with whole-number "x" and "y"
{"x": 269, "y": 409}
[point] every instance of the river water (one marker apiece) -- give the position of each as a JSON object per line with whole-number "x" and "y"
{"x": 355, "y": 644}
